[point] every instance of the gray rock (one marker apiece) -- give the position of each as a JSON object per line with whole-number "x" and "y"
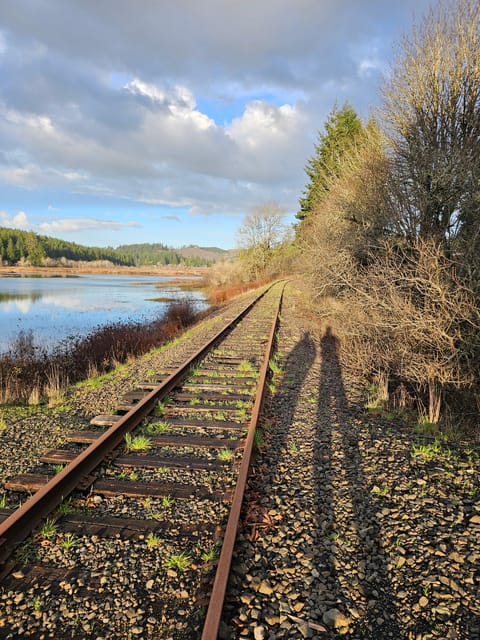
{"x": 336, "y": 619}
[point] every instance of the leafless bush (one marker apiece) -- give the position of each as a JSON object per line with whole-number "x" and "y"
{"x": 350, "y": 221}
{"x": 411, "y": 318}
{"x": 431, "y": 113}
{"x": 225, "y": 273}
{"x": 35, "y": 397}
{"x": 56, "y": 385}
{"x": 397, "y": 238}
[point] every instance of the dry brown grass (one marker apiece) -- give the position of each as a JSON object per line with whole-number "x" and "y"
{"x": 222, "y": 293}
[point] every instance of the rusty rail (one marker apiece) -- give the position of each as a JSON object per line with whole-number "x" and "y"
{"x": 217, "y": 597}
{"x": 23, "y": 521}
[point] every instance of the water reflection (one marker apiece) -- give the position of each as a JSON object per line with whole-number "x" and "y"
{"x": 57, "y": 308}
{"x": 12, "y": 297}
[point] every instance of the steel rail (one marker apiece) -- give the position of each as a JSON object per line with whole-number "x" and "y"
{"x": 23, "y": 520}
{"x": 217, "y": 597}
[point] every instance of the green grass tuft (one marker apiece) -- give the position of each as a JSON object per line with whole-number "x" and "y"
{"x": 180, "y": 562}
{"x": 137, "y": 443}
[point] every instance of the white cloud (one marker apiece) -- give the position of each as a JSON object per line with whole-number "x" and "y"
{"x": 270, "y": 144}
{"x": 18, "y": 305}
{"x": 178, "y": 96}
{"x": 40, "y": 123}
{"x": 15, "y": 175}
{"x": 262, "y": 121}
{"x": 18, "y": 221}
{"x": 368, "y": 59}
{"x": 21, "y": 220}
{"x": 136, "y": 112}
{"x": 74, "y": 225}
{"x": 63, "y": 225}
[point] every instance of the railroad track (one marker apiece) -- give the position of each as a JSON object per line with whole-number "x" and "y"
{"x": 182, "y": 438}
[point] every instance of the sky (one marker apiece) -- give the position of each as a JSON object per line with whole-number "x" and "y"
{"x": 125, "y": 121}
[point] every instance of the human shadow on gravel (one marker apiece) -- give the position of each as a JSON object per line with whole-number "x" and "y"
{"x": 296, "y": 367}
{"x": 351, "y": 561}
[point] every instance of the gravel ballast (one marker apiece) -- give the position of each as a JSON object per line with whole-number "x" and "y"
{"x": 352, "y": 527}
{"x": 91, "y": 586}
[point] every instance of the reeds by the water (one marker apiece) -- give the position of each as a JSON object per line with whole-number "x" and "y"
{"x": 220, "y": 293}
{"x": 30, "y": 374}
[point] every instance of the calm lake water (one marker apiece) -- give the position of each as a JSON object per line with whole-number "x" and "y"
{"x": 56, "y": 308}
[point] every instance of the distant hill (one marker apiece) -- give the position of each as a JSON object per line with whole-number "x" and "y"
{"x": 26, "y": 247}
{"x": 157, "y": 253}
{"x": 212, "y": 254}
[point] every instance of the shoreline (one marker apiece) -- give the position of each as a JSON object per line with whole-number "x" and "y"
{"x": 113, "y": 270}
{"x": 144, "y": 271}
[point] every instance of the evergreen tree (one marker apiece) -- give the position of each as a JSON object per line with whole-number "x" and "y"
{"x": 11, "y": 254}
{"x": 342, "y": 129}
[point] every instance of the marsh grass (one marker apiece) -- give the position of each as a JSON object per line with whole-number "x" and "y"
{"x": 48, "y": 529}
{"x": 66, "y": 507}
{"x": 274, "y": 367}
{"x": 30, "y": 373}
{"x": 426, "y": 451}
{"x": 222, "y": 291}
{"x": 167, "y": 501}
{"x": 69, "y": 541}
{"x": 246, "y": 367}
{"x": 257, "y": 440}
{"x": 225, "y": 455}
{"x": 427, "y": 428}
{"x": 212, "y": 553}
{"x": 153, "y": 541}
{"x": 35, "y": 397}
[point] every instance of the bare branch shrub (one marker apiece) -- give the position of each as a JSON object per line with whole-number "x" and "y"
{"x": 224, "y": 273}
{"x": 431, "y": 112}
{"x": 397, "y": 238}
{"x": 351, "y": 220}
{"x": 28, "y": 371}
{"x": 56, "y": 385}
{"x": 410, "y": 317}
{"x": 258, "y": 238}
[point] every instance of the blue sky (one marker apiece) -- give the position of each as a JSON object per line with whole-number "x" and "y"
{"x": 156, "y": 121}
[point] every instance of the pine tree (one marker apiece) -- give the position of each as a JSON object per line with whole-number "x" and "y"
{"x": 342, "y": 129}
{"x": 11, "y": 253}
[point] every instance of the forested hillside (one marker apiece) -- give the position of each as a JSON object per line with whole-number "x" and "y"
{"x": 26, "y": 246}
{"x": 18, "y": 246}
{"x": 157, "y": 253}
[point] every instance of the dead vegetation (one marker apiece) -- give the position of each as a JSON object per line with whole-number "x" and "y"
{"x": 392, "y": 253}
{"x": 30, "y": 374}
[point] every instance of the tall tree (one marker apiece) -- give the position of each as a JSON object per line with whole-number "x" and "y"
{"x": 431, "y": 110}
{"x": 354, "y": 218}
{"x": 342, "y": 129}
{"x": 261, "y": 232}
{"x": 11, "y": 253}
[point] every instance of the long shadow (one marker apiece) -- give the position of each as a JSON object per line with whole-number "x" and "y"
{"x": 296, "y": 367}
{"x": 340, "y": 480}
